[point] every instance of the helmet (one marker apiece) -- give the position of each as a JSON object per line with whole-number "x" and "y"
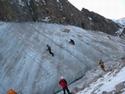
{"x": 61, "y": 77}
{"x": 11, "y": 91}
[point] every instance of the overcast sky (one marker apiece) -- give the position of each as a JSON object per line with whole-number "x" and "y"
{"x": 113, "y": 9}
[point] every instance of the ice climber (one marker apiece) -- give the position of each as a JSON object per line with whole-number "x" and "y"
{"x": 49, "y": 49}
{"x": 72, "y": 42}
{"x": 63, "y": 84}
{"x": 102, "y": 65}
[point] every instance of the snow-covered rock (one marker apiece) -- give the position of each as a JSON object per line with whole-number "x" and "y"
{"x": 112, "y": 82}
{"x": 121, "y": 31}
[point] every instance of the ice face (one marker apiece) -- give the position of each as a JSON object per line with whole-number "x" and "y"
{"x": 27, "y": 66}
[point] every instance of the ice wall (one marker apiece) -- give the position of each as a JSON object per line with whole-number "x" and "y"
{"x": 27, "y": 66}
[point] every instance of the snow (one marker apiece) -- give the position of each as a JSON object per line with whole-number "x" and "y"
{"x": 37, "y": 1}
{"x": 60, "y": 5}
{"x": 119, "y": 32}
{"x": 58, "y": 1}
{"x": 21, "y": 3}
{"x": 27, "y": 66}
{"x": 120, "y": 77}
{"x": 44, "y": 2}
{"x": 90, "y": 18}
{"x": 121, "y": 21}
{"x": 106, "y": 83}
{"x": 46, "y": 19}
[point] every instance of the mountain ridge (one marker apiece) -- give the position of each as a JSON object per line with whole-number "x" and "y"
{"x": 54, "y": 11}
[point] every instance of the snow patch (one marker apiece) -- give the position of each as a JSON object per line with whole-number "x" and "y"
{"x": 44, "y": 2}
{"x": 121, "y": 21}
{"x": 37, "y": 1}
{"x": 58, "y": 1}
{"x": 21, "y": 3}
{"x": 90, "y": 18}
{"x": 46, "y": 19}
{"x": 106, "y": 83}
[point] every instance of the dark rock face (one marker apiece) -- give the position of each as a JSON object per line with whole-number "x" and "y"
{"x": 98, "y": 22}
{"x": 59, "y": 11}
{"x": 123, "y": 31}
{"x": 54, "y": 11}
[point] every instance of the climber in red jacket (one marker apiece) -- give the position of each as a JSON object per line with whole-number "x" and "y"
{"x": 63, "y": 84}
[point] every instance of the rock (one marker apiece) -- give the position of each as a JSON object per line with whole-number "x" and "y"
{"x": 105, "y": 92}
{"x": 54, "y": 11}
{"x": 98, "y": 22}
{"x": 75, "y": 90}
{"x": 122, "y": 35}
{"x": 66, "y": 30}
{"x": 123, "y": 31}
{"x": 120, "y": 86}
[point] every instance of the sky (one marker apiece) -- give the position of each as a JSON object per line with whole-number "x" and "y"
{"x": 112, "y": 9}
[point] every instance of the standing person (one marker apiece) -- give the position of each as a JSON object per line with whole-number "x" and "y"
{"x": 101, "y": 64}
{"x": 63, "y": 84}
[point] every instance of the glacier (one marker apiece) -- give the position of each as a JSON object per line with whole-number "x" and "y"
{"x": 27, "y": 66}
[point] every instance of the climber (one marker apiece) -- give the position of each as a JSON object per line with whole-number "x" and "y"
{"x": 72, "y": 42}
{"x": 49, "y": 49}
{"x": 102, "y": 65}
{"x": 11, "y": 91}
{"x": 63, "y": 84}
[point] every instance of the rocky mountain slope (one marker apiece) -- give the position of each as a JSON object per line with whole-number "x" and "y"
{"x": 54, "y": 11}
{"x": 27, "y": 66}
{"x": 98, "y": 22}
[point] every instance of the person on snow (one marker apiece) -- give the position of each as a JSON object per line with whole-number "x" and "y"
{"x": 49, "y": 49}
{"x": 72, "y": 42}
{"x": 63, "y": 84}
{"x": 11, "y": 91}
{"x": 102, "y": 65}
